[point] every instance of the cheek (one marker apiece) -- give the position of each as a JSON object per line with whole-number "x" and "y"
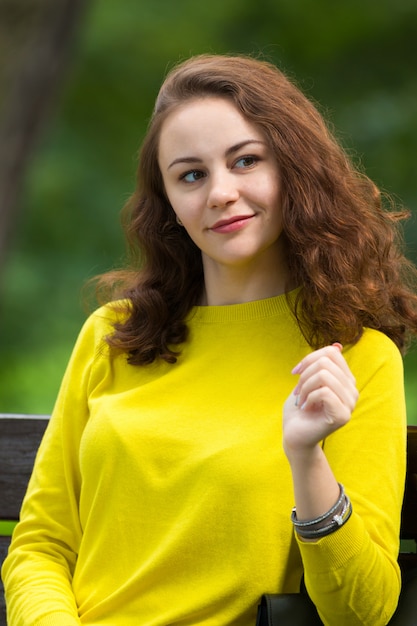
{"x": 275, "y": 206}
{"x": 171, "y": 191}
{"x": 275, "y": 188}
{"x": 268, "y": 188}
{"x": 168, "y": 193}
{"x": 186, "y": 206}
{"x": 176, "y": 205}
{"x": 276, "y": 198}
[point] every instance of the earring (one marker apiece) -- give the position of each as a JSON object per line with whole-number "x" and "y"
{"x": 179, "y": 221}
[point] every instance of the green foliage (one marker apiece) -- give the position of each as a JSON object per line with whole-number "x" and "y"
{"x": 356, "y": 58}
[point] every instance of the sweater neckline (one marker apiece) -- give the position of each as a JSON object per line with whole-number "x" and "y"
{"x": 246, "y": 311}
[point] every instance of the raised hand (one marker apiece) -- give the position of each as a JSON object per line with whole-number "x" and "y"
{"x": 322, "y": 401}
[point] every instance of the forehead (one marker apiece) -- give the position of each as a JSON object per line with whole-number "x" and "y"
{"x": 204, "y": 124}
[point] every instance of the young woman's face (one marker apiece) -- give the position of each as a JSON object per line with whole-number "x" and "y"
{"x": 223, "y": 182}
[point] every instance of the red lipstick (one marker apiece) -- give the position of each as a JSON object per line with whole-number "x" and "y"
{"x": 232, "y": 224}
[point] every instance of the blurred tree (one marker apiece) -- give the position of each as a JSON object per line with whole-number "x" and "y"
{"x": 36, "y": 39}
{"x": 356, "y": 58}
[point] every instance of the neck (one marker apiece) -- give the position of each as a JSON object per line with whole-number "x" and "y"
{"x": 235, "y": 285}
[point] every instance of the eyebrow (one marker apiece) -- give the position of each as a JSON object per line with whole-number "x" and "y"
{"x": 229, "y": 151}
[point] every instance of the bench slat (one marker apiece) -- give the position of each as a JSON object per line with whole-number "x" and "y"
{"x": 409, "y": 511}
{"x": 4, "y": 544}
{"x": 19, "y": 441}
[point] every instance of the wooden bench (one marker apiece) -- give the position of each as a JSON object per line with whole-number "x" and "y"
{"x": 20, "y": 436}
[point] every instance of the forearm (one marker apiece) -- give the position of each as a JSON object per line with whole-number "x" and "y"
{"x": 38, "y": 592}
{"x": 315, "y": 486}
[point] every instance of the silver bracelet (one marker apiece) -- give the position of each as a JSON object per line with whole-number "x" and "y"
{"x": 328, "y": 515}
{"x": 335, "y": 523}
{"x": 332, "y": 523}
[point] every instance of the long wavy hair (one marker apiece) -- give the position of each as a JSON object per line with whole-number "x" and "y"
{"x": 344, "y": 247}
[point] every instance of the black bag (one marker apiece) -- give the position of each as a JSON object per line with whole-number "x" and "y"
{"x": 287, "y": 609}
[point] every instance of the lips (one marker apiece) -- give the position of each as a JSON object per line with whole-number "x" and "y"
{"x": 232, "y": 224}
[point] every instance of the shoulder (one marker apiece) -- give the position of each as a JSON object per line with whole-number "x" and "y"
{"x": 110, "y": 314}
{"x": 374, "y": 352}
{"x": 100, "y": 324}
{"x": 377, "y": 343}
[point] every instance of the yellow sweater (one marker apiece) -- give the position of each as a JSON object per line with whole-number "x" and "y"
{"x": 161, "y": 494}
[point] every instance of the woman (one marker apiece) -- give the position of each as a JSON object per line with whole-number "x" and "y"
{"x": 213, "y": 393}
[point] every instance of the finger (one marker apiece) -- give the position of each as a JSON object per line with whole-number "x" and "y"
{"x": 342, "y": 387}
{"x": 333, "y": 353}
{"x": 325, "y": 372}
{"x": 325, "y": 402}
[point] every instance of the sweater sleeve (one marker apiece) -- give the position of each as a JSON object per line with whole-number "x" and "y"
{"x": 38, "y": 570}
{"x": 352, "y": 575}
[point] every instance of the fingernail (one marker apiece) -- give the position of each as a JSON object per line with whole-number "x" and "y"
{"x": 296, "y": 369}
{"x": 338, "y": 345}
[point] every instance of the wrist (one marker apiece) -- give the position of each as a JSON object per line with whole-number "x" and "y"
{"x": 315, "y": 487}
{"x": 303, "y": 454}
{"x": 326, "y": 523}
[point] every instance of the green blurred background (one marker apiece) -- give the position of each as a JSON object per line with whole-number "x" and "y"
{"x": 357, "y": 58}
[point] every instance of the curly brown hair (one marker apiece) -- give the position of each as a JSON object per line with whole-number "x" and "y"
{"x": 344, "y": 247}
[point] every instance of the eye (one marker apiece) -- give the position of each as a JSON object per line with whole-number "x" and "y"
{"x": 246, "y": 161}
{"x": 192, "y": 176}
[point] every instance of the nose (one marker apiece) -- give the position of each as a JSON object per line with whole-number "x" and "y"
{"x": 222, "y": 190}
